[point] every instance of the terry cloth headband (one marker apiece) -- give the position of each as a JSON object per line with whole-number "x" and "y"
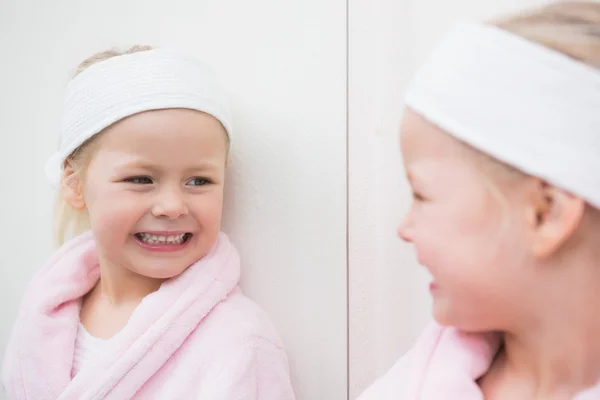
{"x": 121, "y": 86}
{"x": 522, "y": 103}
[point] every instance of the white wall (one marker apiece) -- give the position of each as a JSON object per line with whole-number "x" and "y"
{"x": 389, "y": 303}
{"x": 285, "y": 63}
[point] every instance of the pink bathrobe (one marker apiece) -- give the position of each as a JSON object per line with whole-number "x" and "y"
{"x": 443, "y": 365}
{"x": 197, "y": 337}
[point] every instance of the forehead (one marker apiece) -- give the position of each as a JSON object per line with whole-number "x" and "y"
{"x": 431, "y": 154}
{"x": 420, "y": 139}
{"x": 166, "y": 135}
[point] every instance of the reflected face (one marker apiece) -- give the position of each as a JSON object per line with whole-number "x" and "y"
{"x": 154, "y": 191}
{"x": 458, "y": 228}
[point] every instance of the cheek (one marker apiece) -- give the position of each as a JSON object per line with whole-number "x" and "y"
{"x": 112, "y": 210}
{"x": 447, "y": 235}
{"x": 207, "y": 209}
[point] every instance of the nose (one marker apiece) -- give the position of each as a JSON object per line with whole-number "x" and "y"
{"x": 170, "y": 203}
{"x": 404, "y": 230}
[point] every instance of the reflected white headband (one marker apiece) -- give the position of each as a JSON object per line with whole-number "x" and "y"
{"x": 121, "y": 86}
{"x": 527, "y": 105}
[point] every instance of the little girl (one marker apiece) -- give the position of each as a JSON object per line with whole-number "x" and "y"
{"x": 501, "y": 143}
{"x": 146, "y": 304}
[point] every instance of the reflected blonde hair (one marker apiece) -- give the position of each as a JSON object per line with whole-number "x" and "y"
{"x": 569, "y": 27}
{"x": 69, "y": 222}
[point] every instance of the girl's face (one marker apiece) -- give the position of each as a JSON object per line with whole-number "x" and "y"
{"x": 470, "y": 240}
{"x": 154, "y": 191}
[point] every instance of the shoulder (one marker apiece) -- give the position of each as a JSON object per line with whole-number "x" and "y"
{"x": 239, "y": 319}
{"x": 399, "y": 381}
{"x": 246, "y": 352}
{"x": 389, "y": 385}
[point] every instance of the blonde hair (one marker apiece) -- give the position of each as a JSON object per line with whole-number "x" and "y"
{"x": 69, "y": 222}
{"x": 569, "y": 27}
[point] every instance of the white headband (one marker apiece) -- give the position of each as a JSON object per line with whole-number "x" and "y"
{"x": 524, "y": 104}
{"x": 125, "y": 85}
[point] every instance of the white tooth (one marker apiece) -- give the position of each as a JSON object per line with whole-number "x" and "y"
{"x": 159, "y": 239}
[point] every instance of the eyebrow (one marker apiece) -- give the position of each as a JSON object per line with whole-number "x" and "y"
{"x": 206, "y": 166}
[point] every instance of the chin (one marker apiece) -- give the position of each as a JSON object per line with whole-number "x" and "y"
{"x": 442, "y": 320}
{"x": 161, "y": 272}
{"x": 170, "y": 274}
{"x": 466, "y": 324}
{"x": 442, "y": 314}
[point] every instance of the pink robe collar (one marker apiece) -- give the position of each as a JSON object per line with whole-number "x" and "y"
{"x": 39, "y": 357}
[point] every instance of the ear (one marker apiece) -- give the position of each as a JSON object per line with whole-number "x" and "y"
{"x": 554, "y": 216}
{"x": 71, "y": 188}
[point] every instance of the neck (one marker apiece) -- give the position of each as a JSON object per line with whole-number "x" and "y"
{"x": 556, "y": 347}
{"x": 120, "y": 286}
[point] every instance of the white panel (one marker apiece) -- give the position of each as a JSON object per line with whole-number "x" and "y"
{"x": 389, "y": 302}
{"x": 285, "y": 63}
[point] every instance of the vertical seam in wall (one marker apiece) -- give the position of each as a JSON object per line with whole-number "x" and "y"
{"x": 347, "y": 199}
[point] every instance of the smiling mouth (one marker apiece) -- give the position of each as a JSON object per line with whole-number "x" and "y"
{"x": 155, "y": 240}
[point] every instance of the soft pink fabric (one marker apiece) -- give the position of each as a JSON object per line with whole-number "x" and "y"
{"x": 197, "y": 337}
{"x": 444, "y": 364}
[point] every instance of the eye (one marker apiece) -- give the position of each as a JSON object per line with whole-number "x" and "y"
{"x": 139, "y": 180}
{"x": 198, "y": 181}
